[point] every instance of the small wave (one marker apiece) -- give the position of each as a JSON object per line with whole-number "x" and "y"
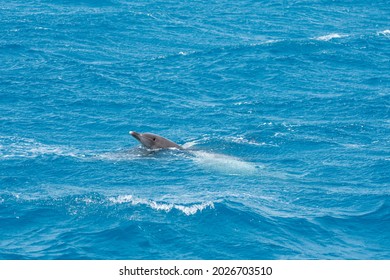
{"x": 161, "y": 206}
{"x": 330, "y": 37}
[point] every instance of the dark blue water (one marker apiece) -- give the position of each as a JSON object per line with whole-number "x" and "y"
{"x": 284, "y": 107}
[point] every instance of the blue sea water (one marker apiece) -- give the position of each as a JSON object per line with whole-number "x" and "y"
{"x": 284, "y": 107}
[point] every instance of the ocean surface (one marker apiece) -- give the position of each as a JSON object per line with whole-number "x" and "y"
{"x": 283, "y": 108}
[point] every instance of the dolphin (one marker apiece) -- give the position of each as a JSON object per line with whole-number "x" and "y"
{"x": 223, "y": 163}
{"x": 153, "y": 141}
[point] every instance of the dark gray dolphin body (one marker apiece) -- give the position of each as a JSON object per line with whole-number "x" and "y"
{"x": 153, "y": 141}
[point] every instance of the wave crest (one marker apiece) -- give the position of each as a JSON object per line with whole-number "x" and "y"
{"x": 190, "y": 209}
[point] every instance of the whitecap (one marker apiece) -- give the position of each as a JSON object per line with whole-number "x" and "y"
{"x": 41, "y": 28}
{"x": 330, "y": 37}
{"x": 125, "y": 199}
{"x": 272, "y": 41}
{"x": 186, "y": 53}
{"x": 193, "y": 209}
{"x": 385, "y": 33}
{"x": 188, "y": 210}
{"x": 352, "y": 146}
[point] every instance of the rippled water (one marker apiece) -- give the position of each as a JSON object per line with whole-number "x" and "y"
{"x": 283, "y": 107}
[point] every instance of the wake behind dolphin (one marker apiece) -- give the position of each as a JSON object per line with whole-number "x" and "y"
{"x": 213, "y": 161}
{"x": 223, "y": 163}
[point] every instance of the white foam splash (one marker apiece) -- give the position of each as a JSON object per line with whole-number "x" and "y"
{"x": 189, "y": 145}
{"x": 330, "y": 37}
{"x": 161, "y": 206}
{"x": 223, "y": 163}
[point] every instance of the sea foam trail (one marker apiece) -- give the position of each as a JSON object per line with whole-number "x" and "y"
{"x": 223, "y": 163}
